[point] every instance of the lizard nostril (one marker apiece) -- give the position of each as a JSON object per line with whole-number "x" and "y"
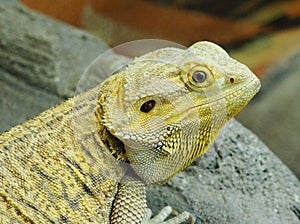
{"x": 231, "y": 80}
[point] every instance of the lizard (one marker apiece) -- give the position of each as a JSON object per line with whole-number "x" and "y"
{"x": 90, "y": 158}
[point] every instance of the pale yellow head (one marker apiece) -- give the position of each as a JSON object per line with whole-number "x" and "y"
{"x": 168, "y": 106}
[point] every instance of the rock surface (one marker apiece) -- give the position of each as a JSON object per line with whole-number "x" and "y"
{"x": 41, "y": 61}
{"x": 276, "y": 110}
{"x": 245, "y": 183}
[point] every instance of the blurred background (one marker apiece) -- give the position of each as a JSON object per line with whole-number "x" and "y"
{"x": 263, "y": 34}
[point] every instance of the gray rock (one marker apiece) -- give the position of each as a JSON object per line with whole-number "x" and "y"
{"x": 41, "y": 61}
{"x": 245, "y": 183}
{"x": 19, "y": 101}
{"x": 276, "y": 109}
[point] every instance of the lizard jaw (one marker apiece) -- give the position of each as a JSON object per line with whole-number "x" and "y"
{"x": 253, "y": 82}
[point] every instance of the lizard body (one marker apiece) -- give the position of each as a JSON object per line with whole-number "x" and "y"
{"x": 88, "y": 159}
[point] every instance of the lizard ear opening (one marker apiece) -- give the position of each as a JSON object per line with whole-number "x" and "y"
{"x": 147, "y": 106}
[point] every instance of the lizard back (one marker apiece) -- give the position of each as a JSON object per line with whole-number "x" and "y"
{"x": 47, "y": 176}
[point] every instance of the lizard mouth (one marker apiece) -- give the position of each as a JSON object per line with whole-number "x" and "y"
{"x": 252, "y": 87}
{"x": 220, "y": 103}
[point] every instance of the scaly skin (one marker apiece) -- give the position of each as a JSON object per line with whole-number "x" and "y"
{"x": 88, "y": 159}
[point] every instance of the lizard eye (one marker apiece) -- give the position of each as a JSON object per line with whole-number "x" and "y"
{"x": 147, "y": 106}
{"x": 199, "y": 76}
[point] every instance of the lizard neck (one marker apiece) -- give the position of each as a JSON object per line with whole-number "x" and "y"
{"x": 113, "y": 144}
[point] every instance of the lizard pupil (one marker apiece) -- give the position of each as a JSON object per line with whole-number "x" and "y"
{"x": 199, "y": 76}
{"x": 147, "y": 106}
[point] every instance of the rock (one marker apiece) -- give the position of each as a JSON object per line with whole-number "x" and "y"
{"x": 245, "y": 183}
{"x": 276, "y": 110}
{"x": 19, "y": 101}
{"x": 41, "y": 61}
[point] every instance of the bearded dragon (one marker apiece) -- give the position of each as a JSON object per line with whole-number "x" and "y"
{"x": 88, "y": 159}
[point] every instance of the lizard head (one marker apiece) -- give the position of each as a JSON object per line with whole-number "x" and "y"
{"x": 168, "y": 106}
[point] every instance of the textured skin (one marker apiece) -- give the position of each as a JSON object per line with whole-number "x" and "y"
{"x": 88, "y": 159}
